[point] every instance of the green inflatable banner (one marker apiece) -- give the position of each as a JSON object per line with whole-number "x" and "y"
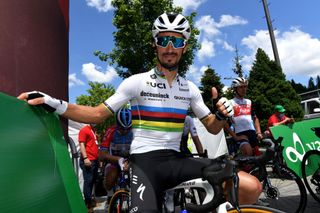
{"x": 36, "y": 172}
{"x": 298, "y": 138}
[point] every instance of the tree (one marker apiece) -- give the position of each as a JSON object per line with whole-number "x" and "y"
{"x": 134, "y": 51}
{"x": 209, "y": 79}
{"x": 237, "y": 66}
{"x": 318, "y": 81}
{"x": 311, "y": 84}
{"x": 299, "y": 88}
{"x": 268, "y": 87}
{"x": 97, "y": 94}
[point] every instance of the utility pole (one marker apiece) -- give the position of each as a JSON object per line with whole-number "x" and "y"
{"x": 270, "y": 28}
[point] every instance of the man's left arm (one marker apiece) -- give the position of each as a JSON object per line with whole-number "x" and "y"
{"x": 257, "y": 127}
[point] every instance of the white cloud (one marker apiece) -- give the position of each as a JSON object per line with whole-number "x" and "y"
{"x": 207, "y": 26}
{"x": 188, "y": 4}
{"x": 100, "y": 5}
{"x": 225, "y": 45}
{"x": 298, "y": 51}
{"x": 74, "y": 81}
{"x": 228, "y": 20}
{"x": 195, "y": 73}
{"x": 95, "y": 74}
{"x": 207, "y": 50}
{"x": 211, "y": 34}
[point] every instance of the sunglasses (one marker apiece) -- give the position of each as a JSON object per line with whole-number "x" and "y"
{"x": 163, "y": 41}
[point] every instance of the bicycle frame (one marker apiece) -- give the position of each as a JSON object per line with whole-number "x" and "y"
{"x": 197, "y": 183}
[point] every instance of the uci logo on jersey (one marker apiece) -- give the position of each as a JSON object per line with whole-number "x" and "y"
{"x": 158, "y": 85}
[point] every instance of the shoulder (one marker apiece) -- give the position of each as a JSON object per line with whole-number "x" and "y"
{"x": 137, "y": 79}
{"x": 192, "y": 87}
{"x": 85, "y": 129}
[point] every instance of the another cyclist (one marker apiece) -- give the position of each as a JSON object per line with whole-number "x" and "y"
{"x": 189, "y": 128}
{"x": 245, "y": 122}
{"x": 115, "y": 147}
{"x": 159, "y": 100}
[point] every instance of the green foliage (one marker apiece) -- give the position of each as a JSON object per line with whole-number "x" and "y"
{"x": 311, "y": 84}
{"x": 237, "y": 65}
{"x": 97, "y": 94}
{"x": 268, "y": 87}
{"x": 134, "y": 51}
{"x": 299, "y": 88}
{"x": 209, "y": 79}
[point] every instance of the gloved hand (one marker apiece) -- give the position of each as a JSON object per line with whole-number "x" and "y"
{"x": 50, "y": 104}
{"x": 121, "y": 163}
{"x": 224, "y": 109}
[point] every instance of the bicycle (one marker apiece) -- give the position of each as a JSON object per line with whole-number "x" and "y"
{"x": 119, "y": 202}
{"x": 183, "y": 194}
{"x": 282, "y": 188}
{"x": 215, "y": 175}
{"x": 310, "y": 169}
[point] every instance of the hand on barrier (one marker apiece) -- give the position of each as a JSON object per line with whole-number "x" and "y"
{"x": 47, "y": 102}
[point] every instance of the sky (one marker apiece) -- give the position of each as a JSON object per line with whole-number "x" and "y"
{"x": 224, "y": 25}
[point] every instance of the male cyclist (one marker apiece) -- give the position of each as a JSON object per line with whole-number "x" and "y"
{"x": 159, "y": 100}
{"x": 189, "y": 127}
{"x": 115, "y": 147}
{"x": 246, "y": 124}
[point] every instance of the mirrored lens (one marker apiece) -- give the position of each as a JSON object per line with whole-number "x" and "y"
{"x": 176, "y": 42}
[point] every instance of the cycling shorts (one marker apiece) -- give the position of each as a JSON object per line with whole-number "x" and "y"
{"x": 252, "y": 136}
{"x": 154, "y": 172}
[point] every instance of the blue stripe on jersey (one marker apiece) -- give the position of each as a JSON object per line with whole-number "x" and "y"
{"x": 159, "y": 109}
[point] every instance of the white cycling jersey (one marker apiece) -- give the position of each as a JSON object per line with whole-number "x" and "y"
{"x": 242, "y": 114}
{"x": 158, "y": 109}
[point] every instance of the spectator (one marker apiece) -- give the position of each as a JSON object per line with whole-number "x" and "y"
{"x": 277, "y": 118}
{"x": 89, "y": 162}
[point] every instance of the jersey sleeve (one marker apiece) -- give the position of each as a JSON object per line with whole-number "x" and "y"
{"x": 124, "y": 93}
{"x": 192, "y": 127}
{"x": 197, "y": 104}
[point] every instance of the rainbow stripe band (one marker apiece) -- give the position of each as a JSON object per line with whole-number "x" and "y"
{"x": 158, "y": 118}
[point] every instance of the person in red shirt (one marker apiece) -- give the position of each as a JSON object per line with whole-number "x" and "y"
{"x": 89, "y": 161}
{"x": 278, "y": 118}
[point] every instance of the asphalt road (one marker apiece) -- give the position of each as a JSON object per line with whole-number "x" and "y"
{"x": 312, "y": 206}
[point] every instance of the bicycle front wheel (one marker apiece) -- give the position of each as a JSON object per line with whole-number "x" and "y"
{"x": 255, "y": 209}
{"x": 310, "y": 168}
{"x": 119, "y": 202}
{"x": 283, "y": 189}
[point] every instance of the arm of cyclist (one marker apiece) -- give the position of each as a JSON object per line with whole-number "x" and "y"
{"x": 197, "y": 144}
{"x": 84, "y": 114}
{"x": 104, "y": 155}
{"x": 257, "y": 127}
{"x": 233, "y": 134}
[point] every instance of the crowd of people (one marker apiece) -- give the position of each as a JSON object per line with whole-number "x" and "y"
{"x": 151, "y": 131}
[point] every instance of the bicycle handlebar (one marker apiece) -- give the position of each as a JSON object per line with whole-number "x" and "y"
{"x": 215, "y": 174}
{"x": 202, "y": 155}
{"x": 225, "y": 169}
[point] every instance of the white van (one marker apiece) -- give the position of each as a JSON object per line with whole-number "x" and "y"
{"x": 311, "y": 108}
